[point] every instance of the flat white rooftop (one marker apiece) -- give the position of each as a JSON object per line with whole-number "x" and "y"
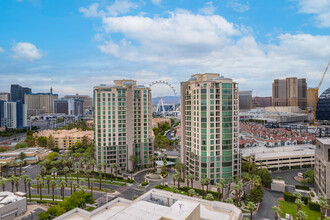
{"x": 282, "y": 151}
{"x": 325, "y": 141}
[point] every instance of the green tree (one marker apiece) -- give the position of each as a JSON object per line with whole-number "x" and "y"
{"x": 238, "y": 188}
{"x": 50, "y": 142}
{"x": 323, "y": 205}
{"x": 42, "y": 141}
{"x": 54, "y": 171}
{"x": 66, "y": 171}
{"x": 209, "y": 196}
{"x": 63, "y": 185}
{"x": 12, "y": 181}
{"x": 229, "y": 200}
{"x": 301, "y": 215}
{"x": 177, "y": 177}
{"x": 256, "y": 194}
{"x": 29, "y": 180}
{"x": 52, "y": 156}
{"x": 21, "y": 145}
{"x": 53, "y": 184}
{"x": 30, "y": 139}
{"x": 48, "y": 179}
{"x": 266, "y": 178}
{"x": 276, "y": 211}
{"x": 191, "y": 192}
{"x": 24, "y": 178}
{"x": 251, "y": 207}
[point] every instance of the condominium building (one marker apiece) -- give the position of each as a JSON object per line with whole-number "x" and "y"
{"x": 322, "y": 167}
{"x": 40, "y": 103}
{"x": 13, "y": 114}
{"x": 122, "y": 119}
{"x": 290, "y": 92}
{"x": 209, "y": 140}
{"x": 17, "y": 92}
{"x": 245, "y": 100}
{"x": 64, "y": 139}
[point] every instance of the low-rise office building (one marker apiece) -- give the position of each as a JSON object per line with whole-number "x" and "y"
{"x": 322, "y": 167}
{"x": 12, "y": 205}
{"x": 64, "y": 139}
{"x": 159, "y": 204}
{"x": 277, "y": 158}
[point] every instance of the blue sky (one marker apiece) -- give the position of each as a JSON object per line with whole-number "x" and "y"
{"x": 74, "y": 45}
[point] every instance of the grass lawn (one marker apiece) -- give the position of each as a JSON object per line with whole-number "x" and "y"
{"x": 291, "y": 208}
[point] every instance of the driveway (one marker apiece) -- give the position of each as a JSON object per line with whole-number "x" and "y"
{"x": 265, "y": 208}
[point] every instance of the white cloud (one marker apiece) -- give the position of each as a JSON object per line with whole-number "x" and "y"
{"x": 26, "y": 51}
{"x": 320, "y": 8}
{"x": 156, "y": 2}
{"x": 117, "y": 8}
{"x": 2, "y": 50}
{"x": 237, "y": 6}
{"x": 209, "y": 9}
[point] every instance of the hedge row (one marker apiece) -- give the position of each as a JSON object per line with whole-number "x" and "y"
{"x": 301, "y": 187}
{"x": 314, "y": 206}
{"x": 291, "y": 198}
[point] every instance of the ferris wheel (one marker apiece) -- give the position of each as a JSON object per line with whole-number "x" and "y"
{"x": 161, "y": 106}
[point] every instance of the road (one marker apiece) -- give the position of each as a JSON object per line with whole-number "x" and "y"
{"x": 265, "y": 208}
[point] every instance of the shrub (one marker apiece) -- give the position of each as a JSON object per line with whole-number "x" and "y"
{"x": 289, "y": 197}
{"x": 305, "y": 199}
{"x": 312, "y": 194}
{"x": 314, "y": 206}
{"x": 200, "y": 191}
{"x": 159, "y": 187}
{"x": 301, "y": 187}
{"x": 144, "y": 183}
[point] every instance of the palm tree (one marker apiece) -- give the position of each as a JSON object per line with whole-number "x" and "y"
{"x": 238, "y": 188}
{"x": 7, "y": 168}
{"x": 83, "y": 188}
{"x": 40, "y": 183}
{"x": 66, "y": 170}
{"x": 116, "y": 165}
{"x": 48, "y": 179}
{"x": 17, "y": 179}
{"x": 207, "y": 182}
{"x": 54, "y": 170}
{"x": 92, "y": 183}
{"x": 111, "y": 170}
{"x": 223, "y": 183}
{"x": 219, "y": 187}
{"x": 151, "y": 159}
{"x": 20, "y": 167}
{"x": 301, "y": 215}
{"x": 77, "y": 172}
{"x": 14, "y": 165}
{"x": 12, "y": 180}
{"x": 100, "y": 176}
{"x": 24, "y": 177}
{"x": 88, "y": 172}
{"x": 71, "y": 182}
{"x": 179, "y": 168}
{"x": 53, "y": 184}
{"x": 3, "y": 184}
{"x": 251, "y": 207}
{"x": 203, "y": 182}
{"x": 74, "y": 185}
{"x": 299, "y": 204}
{"x": 29, "y": 180}
{"x": 189, "y": 178}
{"x": 276, "y": 211}
{"x": 191, "y": 192}
{"x": 177, "y": 177}
{"x": 104, "y": 169}
{"x": 62, "y": 184}
{"x": 43, "y": 171}
{"x": 323, "y": 205}
{"x": 230, "y": 180}
{"x": 133, "y": 159}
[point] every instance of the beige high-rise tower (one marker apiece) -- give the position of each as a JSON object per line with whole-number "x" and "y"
{"x": 122, "y": 120}
{"x": 209, "y": 113}
{"x": 290, "y": 92}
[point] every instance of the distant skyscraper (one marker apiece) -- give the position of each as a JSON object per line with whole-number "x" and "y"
{"x": 122, "y": 119}
{"x": 262, "y": 102}
{"x": 13, "y": 114}
{"x": 17, "y": 92}
{"x": 88, "y": 101}
{"x": 245, "y": 100}
{"x": 4, "y": 96}
{"x": 209, "y": 141}
{"x": 290, "y": 92}
{"x": 39, "y": 103}
{"x": 69, "y": 106}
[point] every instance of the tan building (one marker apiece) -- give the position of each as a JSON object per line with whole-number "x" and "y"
{"x": 122, "y": 122}
{"x": 322, "y": 167}
{"x": 312, "y": 97}
{"x": 64, "y": 139}
{"x": 209, "y": 138}
{"x": 33, "y": 155}
{"x": 40, "y": 103}
{"x": 290, "y": 92}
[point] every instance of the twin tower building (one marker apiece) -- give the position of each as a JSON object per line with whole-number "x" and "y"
{"x": 209, "y": 123}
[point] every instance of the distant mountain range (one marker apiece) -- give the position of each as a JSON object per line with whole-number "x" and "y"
{"x": 166, "y": 100}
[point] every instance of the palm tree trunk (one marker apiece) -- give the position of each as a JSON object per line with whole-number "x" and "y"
{"x": 71, "y": 188}
{"x": 20, "y": 169}
{"x": 251, "y": 215}
{"x": 40, "y": 191}
{"x": 12, "y": 186}
{"x": 100, "y": 181}
{"x": 92, "y": 189}
{"x": 16, "y": 186}
{"x": 29, "y": 185}
{"x": 48, "y": 188}
{"x": 53, "y": 192}
{"x": 25, "y": 186}
{"x": 192, "y": 183}
{"x": 15, "y": 170}
{"x": 3, "y": 186}
{"x": 63, "y": 193}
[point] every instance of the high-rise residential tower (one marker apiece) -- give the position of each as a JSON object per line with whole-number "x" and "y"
{"x": 290, "y": 92}
{"x": 209, "y": 113}
{"x": 122, "y": 120}
{"x": 17, "y": 92}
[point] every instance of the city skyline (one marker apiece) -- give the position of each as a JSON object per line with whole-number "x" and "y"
{"x": 75, "y": 45}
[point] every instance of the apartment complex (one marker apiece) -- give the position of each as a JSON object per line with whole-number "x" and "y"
{"x": 245, "y": 100}
{"x": 122, "y": 119}
{"x": 40, "y": 103}
{"x": 13, "y": 114}
{"x": 322, "y": 167}
{"x": 159, "y": 204}
{"x": 64, "y": 139}
{"x": 290, "y": 92}
{"x": 209, "y": 140}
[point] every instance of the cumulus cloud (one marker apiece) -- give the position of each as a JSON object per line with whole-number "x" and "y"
{"x": 156, "y": 2}
{"x": 320, "y": 8}
{"x": 237, "y": 6}
{"x": 117, "y": 8}
{"x": 209, "y": 8}
{"x": 2, "y": 50}
{"x": 26, "y": 51}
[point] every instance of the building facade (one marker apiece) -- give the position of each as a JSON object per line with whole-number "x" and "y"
{"x": 323, "y": 106}
{"x": 263, "y": 102}
{"x": 69, "y": 106}
{"x": 12, "y": 205}
{"x": 290, "y": 92}
{"x": 245, "y": 100}
{"x": 13, "y": 114}
{"x": 4, "y": 96}
{"x": 88, "y": 101}
{"x": 40, "y": 103}
{"x": 17, "y": 92}
{"x": 122, "y": 119}
{"x": 209, "y": 139}
{"x": 322, "y": 167}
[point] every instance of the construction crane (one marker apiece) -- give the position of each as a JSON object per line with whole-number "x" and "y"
{"x": 312, "y": 113}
